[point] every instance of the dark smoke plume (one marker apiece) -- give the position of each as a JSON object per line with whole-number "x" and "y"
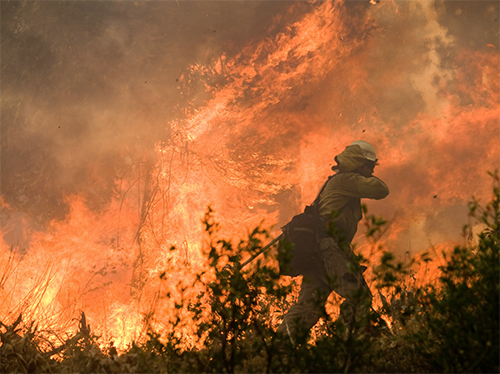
{"x": 89, "y": 87}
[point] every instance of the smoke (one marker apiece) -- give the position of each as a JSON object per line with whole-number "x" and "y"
{"x": 440, "y": 135}
{"x": 122, "y": 121}
{"x": 88, "y": 88}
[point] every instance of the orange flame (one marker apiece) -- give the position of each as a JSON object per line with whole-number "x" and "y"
{"x": 258, "y": 150}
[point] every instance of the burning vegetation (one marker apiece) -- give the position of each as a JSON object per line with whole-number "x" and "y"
{"x": 123, "y": 122}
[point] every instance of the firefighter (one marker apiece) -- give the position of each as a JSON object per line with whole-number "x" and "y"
{"x": 335, "y": 268}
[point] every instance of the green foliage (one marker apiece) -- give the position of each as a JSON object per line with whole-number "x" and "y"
{"x": 461, "y": 315}
{"x": 233, "y": 315}
{"x": 19, "y": 351}
{"x": 374, "y": 225}
{"x": 451, "y": 325}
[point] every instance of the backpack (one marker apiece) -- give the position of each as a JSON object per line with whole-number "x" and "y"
{"x": 299, "y": 240}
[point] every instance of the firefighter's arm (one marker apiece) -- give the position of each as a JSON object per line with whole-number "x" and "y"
{"x": 366, "y": 187}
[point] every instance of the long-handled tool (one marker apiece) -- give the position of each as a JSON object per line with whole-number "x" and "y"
{"x": 261, "y": 251}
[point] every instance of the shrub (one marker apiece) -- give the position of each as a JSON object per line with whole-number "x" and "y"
{"x": 460, "y": 316}
{"x": 451, "y": 325}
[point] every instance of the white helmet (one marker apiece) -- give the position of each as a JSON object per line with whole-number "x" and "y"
{"x": 367, "y": 149}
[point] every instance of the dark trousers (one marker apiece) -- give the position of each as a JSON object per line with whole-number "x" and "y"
{"x": 336, "y": 271}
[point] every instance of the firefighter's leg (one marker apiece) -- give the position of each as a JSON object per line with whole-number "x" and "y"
{"x": 303, "y": 315}
{"x": 358, "y": 298}
{"x": 345, "y": 277}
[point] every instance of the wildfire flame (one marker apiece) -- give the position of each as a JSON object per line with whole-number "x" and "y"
{"x": 258, "y": 149}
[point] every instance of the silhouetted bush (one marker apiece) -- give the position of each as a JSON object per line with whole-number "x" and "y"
{"x": 451, "y": 325}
